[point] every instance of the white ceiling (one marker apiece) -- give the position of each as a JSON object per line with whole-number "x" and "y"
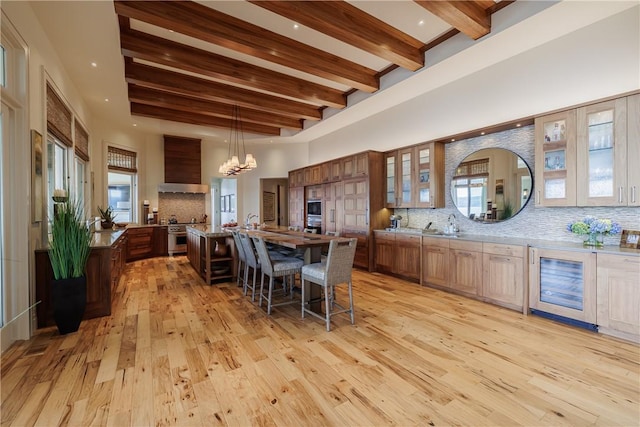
{"x": 87, "y": 31}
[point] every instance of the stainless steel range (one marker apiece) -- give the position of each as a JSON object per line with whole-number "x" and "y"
{"x": 177, "y": 239}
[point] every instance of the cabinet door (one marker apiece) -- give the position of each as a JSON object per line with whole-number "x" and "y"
{"x": 407, "y": 256}
{"x": 435, "y": 261}
{"x": 296, "y": 207}
{"x": 602, "y": 154}
{"x": 465, "y": 272}
{"x": 619, "y": 295}
{"x": 556, "y": 159}
{"x": 384, "y": 243}
{"x": 356, "y": 204}
{"x": 390, "y": 168}
{"x": 405, "y": 174}
{"x": 503, "y": 279}
{"x": 563, "y": 283}
{"x": 336, "y": 170}
{"x": 633, "y": 150}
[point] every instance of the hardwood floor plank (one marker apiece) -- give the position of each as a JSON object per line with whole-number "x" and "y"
{"x": 176, "y": 351}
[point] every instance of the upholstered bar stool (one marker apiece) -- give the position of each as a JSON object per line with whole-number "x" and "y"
{"x": 251, "y": 263}
{"x": 286, "y": 268}
{"x": 336, "y": 270}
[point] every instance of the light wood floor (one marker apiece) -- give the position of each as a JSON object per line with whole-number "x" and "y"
{"x": 177, "y": 352}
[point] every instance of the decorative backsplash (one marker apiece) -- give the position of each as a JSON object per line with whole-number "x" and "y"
{"x": 530, "y": 222}
{"x": 183, "y": 205}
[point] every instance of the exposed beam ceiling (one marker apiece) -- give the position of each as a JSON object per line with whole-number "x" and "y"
{"x": 191, "y": 63}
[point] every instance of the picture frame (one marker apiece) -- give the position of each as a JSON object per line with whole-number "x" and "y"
{"x": 36, "y": 176}
{"x": 630, "y": 239}
{"x": 268, "y": 206}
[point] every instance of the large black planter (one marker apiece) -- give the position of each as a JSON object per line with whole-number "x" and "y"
{"x": 69, "y": 297}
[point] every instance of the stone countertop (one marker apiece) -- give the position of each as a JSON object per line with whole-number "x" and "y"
{"x": 535, "y": 243}
{"x": 206, "y": 230}
{"x": 105, "y": 239}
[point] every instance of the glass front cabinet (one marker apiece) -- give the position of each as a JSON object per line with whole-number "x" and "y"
{"x": 556, "y": 159}
{"x": 415, "y": 177}
{"x": 589, "y": 156}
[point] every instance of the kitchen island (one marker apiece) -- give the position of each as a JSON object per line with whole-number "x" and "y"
{"x": 211, "y": 252}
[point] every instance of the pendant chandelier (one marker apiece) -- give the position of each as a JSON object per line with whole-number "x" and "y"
{"x": 233, "y": 166}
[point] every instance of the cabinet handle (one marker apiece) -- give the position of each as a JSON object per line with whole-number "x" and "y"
{"x": 538, "y": 197}
{"x": 532, "y": 255}
{"x": 633, "y": 194}
{"x": 620, "y": 194}
{"x": 332, "y": 217}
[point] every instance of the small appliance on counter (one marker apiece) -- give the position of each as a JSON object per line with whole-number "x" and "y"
{"x": 173, "y": 219}
{"x": 395, "y": 221}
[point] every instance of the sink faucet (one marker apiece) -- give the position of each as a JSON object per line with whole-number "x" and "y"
{"x": 250, "y": 216}
{"x": 428, "y": 225}
{"x": 452, "y": 226}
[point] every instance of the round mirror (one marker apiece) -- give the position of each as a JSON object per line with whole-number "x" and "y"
{"x": 491, "y": 185}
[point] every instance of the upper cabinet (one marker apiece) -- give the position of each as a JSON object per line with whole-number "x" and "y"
{"x": 414, "y": 177}
{"x": 556, "y": 159}
{"x": 584, "y": 157}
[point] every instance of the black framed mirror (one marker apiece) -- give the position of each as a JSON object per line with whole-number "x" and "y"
{"x": 491, "y": 185}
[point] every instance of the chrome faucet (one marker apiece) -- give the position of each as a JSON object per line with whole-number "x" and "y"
{"x": 250, "y": 216}
{"x": 452, "y": 226}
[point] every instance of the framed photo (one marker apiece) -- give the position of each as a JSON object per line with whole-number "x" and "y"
{"x": 630, "y": 239}
{"x": 36, "y": 176}
{"x": 268, "y": 206}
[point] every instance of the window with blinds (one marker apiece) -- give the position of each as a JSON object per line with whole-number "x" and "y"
{"x": 82, "y": 142}
{"x": 473, "y": 168}
{"x": 59, "y": 118}
{"x": 121, "y": 160}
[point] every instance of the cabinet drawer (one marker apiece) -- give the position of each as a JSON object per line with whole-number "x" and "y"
{"x": 408, "y": 239}
{"x": 507, "y": 250}
{"x": 466, "y": 245}
{"x": 385, "y": 235}
{"x": 435, "y": 241}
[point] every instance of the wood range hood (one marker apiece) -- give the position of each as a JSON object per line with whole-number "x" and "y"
{"x": 182, "y": 166}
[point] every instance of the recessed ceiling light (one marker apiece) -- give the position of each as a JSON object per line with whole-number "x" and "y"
{"x": 94, "y": 64}
{"x": 106, "y": 100}
{"x": 481, "y": 133}
{"x": 296, "y": 26}
{"x": 421, "y": 22}
{"x": 453, "y": 140}
{"x": 518, "y": 125}
{"x": 135, "y": 124}
{"x": 171, "y": 31}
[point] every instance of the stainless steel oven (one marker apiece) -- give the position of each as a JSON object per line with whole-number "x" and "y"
{"x": 314, "y": 215}
{"x": 177, "y": 234}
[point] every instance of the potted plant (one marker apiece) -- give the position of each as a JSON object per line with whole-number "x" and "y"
{"x": 69, "y": 247}
{"x": 107, "y": 217}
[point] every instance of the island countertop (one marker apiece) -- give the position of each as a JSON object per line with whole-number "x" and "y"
{"x": 206, "y": 230}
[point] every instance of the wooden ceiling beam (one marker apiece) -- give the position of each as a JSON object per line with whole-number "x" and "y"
{"x": 139, "y": 45}
{"x": 162, "y": 113}
{"x": 351, "y": 25}
{"x": 170, "y": 81}
{"x": 467, "y": 16}
{"x": 173, "y": 101}
{"x": 207, "y": 24}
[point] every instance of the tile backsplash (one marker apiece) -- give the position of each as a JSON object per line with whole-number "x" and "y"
{"x": 183, "y": 205}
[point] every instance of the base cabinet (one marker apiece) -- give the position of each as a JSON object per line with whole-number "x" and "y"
{"x": 465, "y": 272}
{"x": 618, "y": 295}
{"x": 398, "y": 254}
{"x": 435, "y": 261}
{"x": 503, "y": 274}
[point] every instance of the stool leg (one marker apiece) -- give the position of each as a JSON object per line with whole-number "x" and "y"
{"x": 327, "y": 307}
{"x": 353, "y": 320}
{"x": 270, "y": 293}
{"x": 261, "y": 287}
{"x": 303, "y": 300}
{"x": 253, "y": 288}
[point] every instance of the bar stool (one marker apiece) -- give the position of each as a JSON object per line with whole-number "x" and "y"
{"x": 242, "y": 260}
{"x": 337, "y": 270}
{"x": 275, "y": 267}
{"x": 251, "y": 262}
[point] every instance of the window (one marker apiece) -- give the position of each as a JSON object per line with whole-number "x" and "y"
{"x": 57, "y": 169}
{"x": 120, "y": 195}
{"x": 80, "y": 180}
{"x": 122, "y": 165}
{"x": 471, "y": 195}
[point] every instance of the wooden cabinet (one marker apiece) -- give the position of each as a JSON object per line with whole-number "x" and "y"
{"x": 503, "y": 277}
{"x": 465, "y": 266}
{"x": 384, "y": 252}
{"x": 555, "y": 154}
{"x": 602, "y": 154}
{"x": 296, "y": 178}
{"x": 398, "y": 254}
{"x": 356, "y": 203}
{"x": 103, "y": 272}
{"x": 588, "y": 156}
{"x": 363, "y": 256}
{"x": 333, "y": 207}
{"x": 618, "y": 295}
{"x": 296, "y": 207}
{"x": 356, "y": 165}
{"x": 435, "y": 261}
{"x": 140, "y": 243}
{"x": 160, "y": 241}
{"x": 315, "y": 192}
{"x": 204, "y": 259}
{"x": 313, "y": 175}
{"x": 563, "y": 283}
{"x": 415, "y": 177}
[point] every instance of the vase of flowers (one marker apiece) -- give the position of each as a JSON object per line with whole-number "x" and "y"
{"x": 594, "y": 229}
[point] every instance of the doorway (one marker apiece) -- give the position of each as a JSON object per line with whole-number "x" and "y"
{"x": 274, "y": 201}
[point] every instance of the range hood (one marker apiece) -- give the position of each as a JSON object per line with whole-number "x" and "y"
{"x": 183, "y": 188}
